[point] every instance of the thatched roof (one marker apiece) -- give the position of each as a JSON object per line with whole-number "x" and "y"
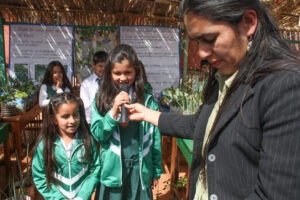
{"x": 122, "y": 12}
{"x": 287, "y": 14}
{"x": 93, "y": 12}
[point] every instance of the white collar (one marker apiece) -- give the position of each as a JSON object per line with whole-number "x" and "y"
{"x": 70, "y": 146}
{"x": 94, "y": 77}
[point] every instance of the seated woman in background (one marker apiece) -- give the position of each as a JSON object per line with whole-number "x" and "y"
{"x": 55, "y": 81}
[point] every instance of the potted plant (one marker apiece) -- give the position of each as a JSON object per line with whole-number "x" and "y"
{"x": 23, "y": 96}
{"x": 20, "y": 100}
{"x": 7, "y": 99}
{"x": 184, "y": 100}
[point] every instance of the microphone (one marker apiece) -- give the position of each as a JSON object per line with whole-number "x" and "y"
{"x": 124, "y": 116}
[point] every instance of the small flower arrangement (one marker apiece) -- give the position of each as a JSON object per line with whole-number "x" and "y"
{"x": 17, "y": 92}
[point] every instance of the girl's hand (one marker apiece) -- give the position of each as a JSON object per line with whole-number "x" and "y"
{"x": 154, "y": 183}
{"x": 120, "y": 99}
{"x": 59, "y": 84}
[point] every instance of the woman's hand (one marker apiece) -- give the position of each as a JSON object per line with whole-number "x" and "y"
{"x": 120, "y": 99}
{"x": 154, "y": 183}
{"x": 138, "y": 112}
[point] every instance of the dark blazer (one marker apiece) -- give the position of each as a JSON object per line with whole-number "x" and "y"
{"x": 254, "y": 149}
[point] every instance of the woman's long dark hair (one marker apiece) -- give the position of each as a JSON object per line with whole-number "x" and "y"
{"x": 48, "y": 80}
{"x": 50, "y": 131}
{"x": 108, "y": 90}
{"x": 269, "y": 51}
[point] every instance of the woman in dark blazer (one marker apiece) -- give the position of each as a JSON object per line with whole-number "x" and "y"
{"x": 247, "y": 132}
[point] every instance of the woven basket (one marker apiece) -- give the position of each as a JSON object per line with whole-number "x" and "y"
{"x": 8, "y": 109}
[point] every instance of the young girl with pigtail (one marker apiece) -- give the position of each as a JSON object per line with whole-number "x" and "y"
{"x": 66, "y": 161}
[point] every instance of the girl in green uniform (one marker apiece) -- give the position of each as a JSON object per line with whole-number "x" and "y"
{"x": 131, "y": 155}
{"x": 55, "y": 81}
{"x": 66, "y": 162}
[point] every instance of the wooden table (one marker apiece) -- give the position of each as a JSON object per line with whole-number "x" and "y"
{"x": 17, "y": 124}
{"x": 4, "y": 137}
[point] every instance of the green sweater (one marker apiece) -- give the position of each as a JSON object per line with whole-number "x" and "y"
{"x": 74, "y": 178}
{"x": 106, "y": 130}
{"x": 52, "y": 92}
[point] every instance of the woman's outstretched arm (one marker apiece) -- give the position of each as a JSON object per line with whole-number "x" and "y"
{"x": 174, "y": 125}
{"x": 138, "y": 112}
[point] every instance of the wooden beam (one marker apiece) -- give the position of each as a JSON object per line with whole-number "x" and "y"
{"x": 153, "y": 16}
{"x": 170, "y": 2}
{"x": 51, "y": 10}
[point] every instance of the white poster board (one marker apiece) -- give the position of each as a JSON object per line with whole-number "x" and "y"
{"x": 158, "y": 49}
{"x": 34, "y": 46}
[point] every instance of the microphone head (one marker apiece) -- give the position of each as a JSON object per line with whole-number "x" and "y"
{"x": 124, "y": 88}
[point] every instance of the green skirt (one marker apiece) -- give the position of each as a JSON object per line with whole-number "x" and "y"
{"x": 131, "y": 189}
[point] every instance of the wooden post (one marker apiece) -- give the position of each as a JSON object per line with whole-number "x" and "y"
{"x": 2, "y": 53}
{"x": 173, "y": 164}
{"x": 185, "y": 59}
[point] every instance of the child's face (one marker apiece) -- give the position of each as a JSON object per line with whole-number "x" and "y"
{"x": 67, "y": 118}
{"x": 99, "y": 68}
{"x": 57, "y": 74}
{"x": 123, "y": 73}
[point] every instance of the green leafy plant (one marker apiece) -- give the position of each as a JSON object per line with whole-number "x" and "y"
{"x": 20, "y": 94}
{"x": 187, "y": 100}
{"x": 181, "y": 182}
{"x": 26, "y": 86}
{"x": 7, "y": 93}
{"x": 16, "y": 89}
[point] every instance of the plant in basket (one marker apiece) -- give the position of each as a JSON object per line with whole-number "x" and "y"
{"x": 7, "y": 99}
{"x": 24, "y": 94}
{"x": 20, "y": 100}
{"x": 16, "y": 95}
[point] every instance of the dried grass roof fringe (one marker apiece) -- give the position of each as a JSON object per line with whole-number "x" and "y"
{"x": 93, "y": 12}
{"x": 287, "y": 14}
{"x": 123, "y": 12}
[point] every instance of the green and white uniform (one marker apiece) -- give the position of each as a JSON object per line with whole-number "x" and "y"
{"x": 144, "y": 149}
{"x": 47, "y": 92}
{"x": 74, "y": 179}
{"x": 51, "y": 92}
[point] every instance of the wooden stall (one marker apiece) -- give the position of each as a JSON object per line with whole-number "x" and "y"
{"x": 108, "y": 15}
